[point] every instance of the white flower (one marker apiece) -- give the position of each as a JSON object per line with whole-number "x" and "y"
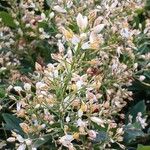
{"x": 10, "y": 88}
{"x": 79, "y": 84}
{"x": 59, "y": 9}
{"x": 92, "y": 134}
{"x": 69, "y": 4}
{"x": 1, "y": 33}
{"x": 43, "y": 16}
{"x": 41, "y": 30}
{"x": 142, "y": 78}
{"x": 80, "y": 113}
{"x": 98, "y": 121}
{"x": 32, "y": 5}
{"x": 11, "y": 139}
{"x": 118, "y": 50}
{"x": 20, "y": 32}
{"x": 61, "y": 47}
{"x": 20, "y": 138}
{"x": 93, "y": 37}
{"x": 114, "y": 4}
{"x": 23, "y": 142}
{"x": 43, "y": 126}
{"x": 27, "y": 86}
{"x": 66, "y": 101}
{"x": 81, "y": 123}
{"x": 66, "y": 140}
{"x": 28, "y": 141}
{"x": 98, "y": 28}
{"x": 44, "y": 35}
{"x": 19, "y": 104}
{"x": 18, "y": 88}
{"x": 75, "y": 40}
{"x": 58, "y": 36}
{"x": 120, "y": 131}
{"x": 21, "y": 147}
{"x": 37, "y": 106}
{"x": 135, "y": 66}
{"x": 40, "y": 85}
{"x": 51, "y": 15}
{"x": 67, "y": 119}
{"x": 69, "y": 54}
{"x": 125, "y": 33}
{"x": 141, "y": 120}
{"x": 82, "y": 22}
{"x": 83, "y": 36}
{"x": 85, "y": 45}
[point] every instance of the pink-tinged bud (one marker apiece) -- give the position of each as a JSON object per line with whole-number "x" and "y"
{"x": 92, "y": 134}
{"x": 142, "y": 78}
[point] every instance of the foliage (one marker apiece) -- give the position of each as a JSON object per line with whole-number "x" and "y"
{"x": 74, "y": 74}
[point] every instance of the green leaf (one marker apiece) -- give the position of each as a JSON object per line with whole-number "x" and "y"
{"x": 147, "y": 5}
{"x": 148, "y": 130}
{"x": 49, "y": 2}
{"x": 40, "y": 141}
{"x": 139, "y": 107}
{"x": 142, "y": 147}
{"x": 101, "y": 137}
{"x": 2, "y": 92}
{"x": 12, "y": 123}
{"x": 7, "y": 19}
{"x": 131, "y": 134}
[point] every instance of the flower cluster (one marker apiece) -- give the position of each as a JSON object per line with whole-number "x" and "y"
{"x": 76, "y": 100}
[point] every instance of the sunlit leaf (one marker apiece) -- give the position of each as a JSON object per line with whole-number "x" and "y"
{"x": 7, "y": 19}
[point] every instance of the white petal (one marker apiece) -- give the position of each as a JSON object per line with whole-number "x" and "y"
{"x": 18, "y": 106}
{"x": 67, "y": 119}
{"x": 27, "y": 86}
{"x": 79, "y": 20}
{"x": 82, "y": 22}
{"x": 43, "y": 16}
{"x": 69, "y": 137}
{"x": 93, "y": 37}
{"x": 18, "y": 88}
{"x": 51, "y": 15}
{"x": 60, "y": 46}
{"x": 81, "y": 123}
{"x": 97, "y": 120}
{"x": 114, "y": 4}
{"x": 80, "y": 113}
{"x": 98, "y": 28}
{"x": 69, "y": 54}
{"x": 85, "y": 45}
{"x": 22, "y": 147}
{"x": 79, "y": 84}
{"x": 28, "y": 141}
{"x": 125, "y": 33}
{"x": 11, "y": 139}
{"x": 59, "y": 9}
{"x": 40, "y": 85}
{"x": 75, "y": 40}
{"x": 85, "y": 22}
{"x": 69, "y": 4}
{"x": 20, "y": 138}
{"x": 142, "y": 78}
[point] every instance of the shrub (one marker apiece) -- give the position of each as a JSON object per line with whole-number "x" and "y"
{"x": 77, "y": 97}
